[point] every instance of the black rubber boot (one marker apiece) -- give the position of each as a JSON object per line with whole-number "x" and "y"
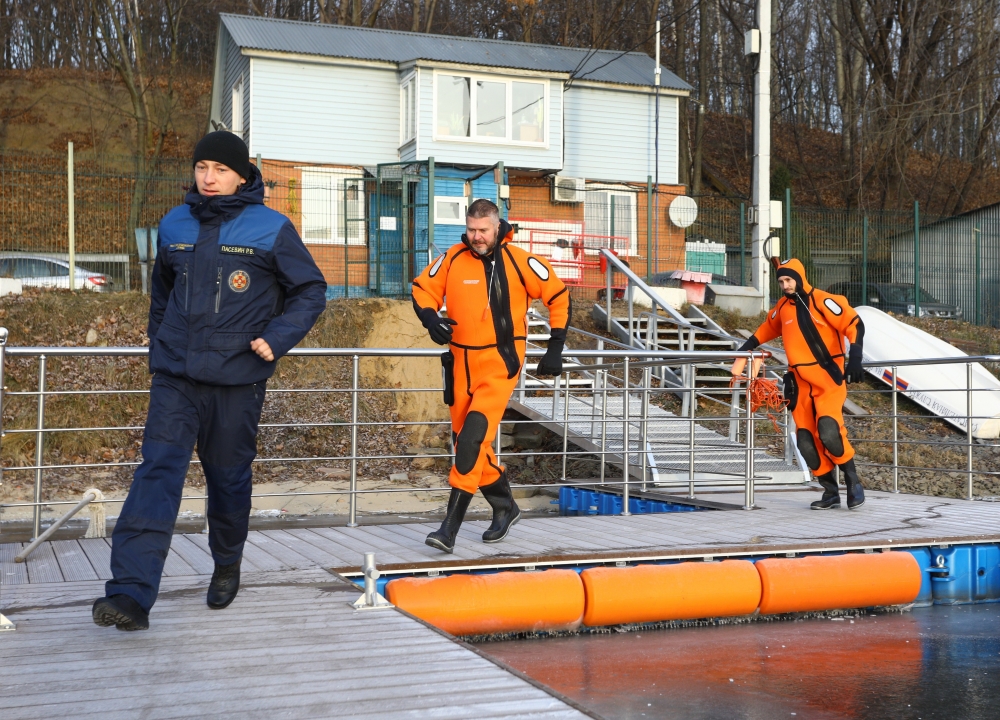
{"x": 122, "y": 611}
{"x": 855, "y": 492}
{"x": 224, "y": 586}
{"x": 505, "y": 510}
{"x": 831, "y": 493}
{"x": 444, "y": 538}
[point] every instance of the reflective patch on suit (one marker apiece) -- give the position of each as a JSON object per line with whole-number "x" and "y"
{"x": 832, "y": 306}
{"x": 538, "y": 267}
{"x": 239, "y": 281}
{"x": 470, "y": 442}
{"x": 829, "y": 434}
{"x": 436, "y": 266}
{"x": 182, "y": 247}
{"x": 773, "y": 314}
{"x": 807, "y": 448}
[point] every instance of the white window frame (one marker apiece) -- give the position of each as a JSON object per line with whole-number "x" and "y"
{"x": 508, "y": 138}
{"x": 236, "y": 108}
{"x": 617, "y": 191}
{"x": 409, "y": 108}
{"x": 463, "y": 207}
{"x": 338, "y": 177}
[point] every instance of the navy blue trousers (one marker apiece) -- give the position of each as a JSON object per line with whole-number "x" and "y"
{"x": 223, "y": 421}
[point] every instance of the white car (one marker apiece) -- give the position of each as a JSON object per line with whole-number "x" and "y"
{"x": 39, "y": 271}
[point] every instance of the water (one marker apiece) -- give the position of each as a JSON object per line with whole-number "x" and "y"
{"x": 938, "y": 662}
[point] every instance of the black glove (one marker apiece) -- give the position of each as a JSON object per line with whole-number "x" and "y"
{"x": 551, "y": 362}
{"x": 438, "y": 327}
{"x": 854, "y": 372}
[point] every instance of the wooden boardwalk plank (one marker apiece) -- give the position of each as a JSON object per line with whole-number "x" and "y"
{"x": 73, "y": 561}
{"x": 309, "y": 655}
{"x": 11, "y": 573}
{"x": 43, "y": 566}
{"x": 195, "y": 555}
{"x": 98, "y": 551}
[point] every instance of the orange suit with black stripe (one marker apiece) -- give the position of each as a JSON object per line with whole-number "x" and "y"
{"x": 488, "y": 297}
{"x": 813, "y": 326}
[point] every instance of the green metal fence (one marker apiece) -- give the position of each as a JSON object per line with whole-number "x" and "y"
{"x": 876, "y": 258}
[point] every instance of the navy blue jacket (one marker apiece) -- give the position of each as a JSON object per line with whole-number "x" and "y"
{"x": 228, "y": 271}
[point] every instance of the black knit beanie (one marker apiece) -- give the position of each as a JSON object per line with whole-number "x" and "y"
{"x": 224, "y": 147}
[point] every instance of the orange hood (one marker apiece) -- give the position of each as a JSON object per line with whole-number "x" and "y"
{"x": 797, "y": 271}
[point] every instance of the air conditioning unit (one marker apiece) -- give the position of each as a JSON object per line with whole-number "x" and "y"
{"x": 567, "y": 189}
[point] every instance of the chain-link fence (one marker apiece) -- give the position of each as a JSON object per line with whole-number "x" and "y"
{"x": 113, "y": 196}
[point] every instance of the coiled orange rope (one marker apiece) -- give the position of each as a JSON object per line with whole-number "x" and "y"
{"x": 763, "y": 393}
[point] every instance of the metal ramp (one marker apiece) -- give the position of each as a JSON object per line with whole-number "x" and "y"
{"x": 666, "y": 457}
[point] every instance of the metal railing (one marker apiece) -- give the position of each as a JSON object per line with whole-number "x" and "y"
{"x": 618, "y": 399}
{"x": 684, "y": 381}
{"x": 615, "y": 377}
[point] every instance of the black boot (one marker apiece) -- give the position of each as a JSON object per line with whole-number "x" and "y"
{"x": 505, "y": 510}
{"x": 444, "y": 539}
{"x": 831, "y": 493}
{"x": 122, "y": 611}
{"x": 855, "y": 492}
{"x": 224, "y": 586}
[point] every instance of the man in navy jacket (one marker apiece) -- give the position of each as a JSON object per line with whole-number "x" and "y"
{"x": 233, "y": 290}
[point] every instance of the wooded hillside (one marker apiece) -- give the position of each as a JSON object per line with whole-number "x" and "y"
{"x": 877, "y": 102}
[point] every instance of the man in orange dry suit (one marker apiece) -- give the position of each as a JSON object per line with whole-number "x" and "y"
{"x": 489, "y": 285}
{"x": 813, "y": 325}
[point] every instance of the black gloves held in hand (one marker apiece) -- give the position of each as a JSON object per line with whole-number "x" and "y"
{"x": 551, "y": 362}
{"x": 438, "y": 327}
{"x": 854, "y": 372}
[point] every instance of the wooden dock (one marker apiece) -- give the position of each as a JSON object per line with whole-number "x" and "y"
{"x": 292, "y": 646}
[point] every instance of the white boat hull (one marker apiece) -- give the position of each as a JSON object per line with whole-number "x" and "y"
{"x": 942, "y": 389}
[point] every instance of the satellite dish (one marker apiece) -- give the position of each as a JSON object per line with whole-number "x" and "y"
{"x": 683, "y": 211}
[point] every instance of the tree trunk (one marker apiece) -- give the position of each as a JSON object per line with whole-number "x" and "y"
{"x": 704, "y": 52}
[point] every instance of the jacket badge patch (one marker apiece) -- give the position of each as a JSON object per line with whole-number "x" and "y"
{"x": 239, "y": 281}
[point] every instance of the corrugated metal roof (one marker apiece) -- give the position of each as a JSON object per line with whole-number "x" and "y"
{"x": 396, "y": 46}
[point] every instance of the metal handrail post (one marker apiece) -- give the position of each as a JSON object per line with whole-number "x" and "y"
{"x": 625, "y": 434}
{"x": 647, "y": 379}
{"x": 968, "y": 427}
{"x": 895, "y": 432}
{"x": 607, "y": 297}
{"x": 3, "y": 388}
{"x": 565, "y": 447}
{"x": 555, "y": 395}
{"x": 789, "y": 449}
{"x": 748, "y": 499}
{"x": 39, "y": 448}
{"x": 353, "y": 515}
{"x": 692, "y": 410}
{"x": 633, "y": 329}
{"x": 604, "y": 420}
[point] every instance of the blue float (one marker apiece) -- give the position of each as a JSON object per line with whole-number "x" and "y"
{"x": 577, "y": 501}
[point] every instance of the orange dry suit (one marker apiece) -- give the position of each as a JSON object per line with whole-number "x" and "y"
{"x": 813, "y": 325}
{"x": 488, "y": 297}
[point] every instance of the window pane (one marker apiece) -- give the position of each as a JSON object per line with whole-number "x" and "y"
{"x": 595, "y": 214}
{"x": 528, "y": 100}
{"x": 318, "y": 200}
{"x": 491, "y": 109}
{"x": 413, "y": 109}
{"x": 448, "y": 210}
{"x": 453, "y": 105}
{"x": 57, "y": 270}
